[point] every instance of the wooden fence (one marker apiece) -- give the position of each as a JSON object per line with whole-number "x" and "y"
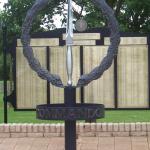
{"x": 124, "y": 85}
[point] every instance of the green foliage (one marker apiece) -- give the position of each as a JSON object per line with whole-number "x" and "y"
{"x": 13, "y": 16}
{"x": 15, "y": 12}
{"x": 133, "y": 15}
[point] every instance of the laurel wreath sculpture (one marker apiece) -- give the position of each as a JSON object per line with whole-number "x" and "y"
{"x": 86, "y": 78}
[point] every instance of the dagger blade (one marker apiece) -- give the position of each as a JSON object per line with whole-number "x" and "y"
{"x": 69, "y": 43}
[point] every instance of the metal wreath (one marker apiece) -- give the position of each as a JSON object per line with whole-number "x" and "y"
{"x": 86, "y": 78}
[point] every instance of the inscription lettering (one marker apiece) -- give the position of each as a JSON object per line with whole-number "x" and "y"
{"x": 70, "y": 113}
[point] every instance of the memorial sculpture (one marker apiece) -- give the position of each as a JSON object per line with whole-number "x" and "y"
{"x": 70, "y": 111}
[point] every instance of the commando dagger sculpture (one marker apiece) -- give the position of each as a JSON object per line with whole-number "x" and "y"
{"x": 70, "y": 111}
{"x": 85, "y": 79}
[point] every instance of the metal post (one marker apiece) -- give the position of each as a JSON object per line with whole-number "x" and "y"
{"x": 148, "y": 42}
{"x": 70, "y": 126}
{"x": 4, "y": 28}
{"x": 115, "y": 83}
{"x": 81, "y": 73}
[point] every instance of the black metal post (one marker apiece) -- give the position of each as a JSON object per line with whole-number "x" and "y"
{"x": 115, "y": 83}
{"x": 5, "y": 71}
{"x": 148, "y": 42}
{"x": 81, "y": 73}
{"x": 48, "y": 68}
{"x": 70, "y": 126}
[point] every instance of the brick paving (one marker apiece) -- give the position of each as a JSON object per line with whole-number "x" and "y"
{"x": 83, "y": 143}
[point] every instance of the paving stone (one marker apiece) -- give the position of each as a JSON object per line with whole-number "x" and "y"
{"x": 87, "y": 127}
{"x": 41, "y": 141}
{"x": 24, "y": 128}
{"x": 53, "y": 128}
{"x": 4, "y": 135}
{"x": 89, "y": 140}
{"x": 35, "y": 135}
{"x": 18, "y": 135}
{"x": 127, "y": 127}
{"x": 1, "y": 128}
{"x": 18, "y": 128}
{"x": 51, "y": 134}
{"x": 123, "y": 143}
{"x": 25, "y": 141}
{"x": 83, "y": 143}
{"x": 22, "y": 147}
{"x": 144, "y": 127}
{"x": 139, "y": 139}
{"x": 38, "y": 147}
{"x": 58, "y": 128}
{"x": 148, "y": 134}
{"x": 13, "y": 128}
{"x": 121, "y": 127}
{"x": 98, "y": 127}
{"x": 104, "y": 134}
{"x": 140, "y": 133}
{"x": 8, "y": 144}
{"x": 93, "y": 127}
{"x": 110, "y": 126}
{"x": 35, "y": 128}
{"x": 41, "y": 128}
{"x": 62, "y": 134}
{"x": 1, "y": 140}
{"x": 77, "y": 127}
{"x": 55, "y": 146}
{"x": 106, "y": 143}
{"x": 81, "y": 127}
{"x": 148, "y": 126}
{"x": 104, "y": 127}
{"x": 139, "y": 143}
{"x": 29, "y": 128}
{"x": 87, "y": 134}
{"x": 46, "y": 128}
{"x": 62, "y": 128}
{"x": 132, "y": 125}
{"x": 6, "y": 128}
{"x": 121, "y": 134}
{"x": 116, "y": 127}
{"x": 89, "y": 146}
{"x": 138, "y": 126}
{"x": 9, "y": 141}
{"x": 148, "y": 140}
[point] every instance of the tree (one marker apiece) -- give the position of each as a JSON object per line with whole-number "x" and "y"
{"x": 15, "y": 12}
{"x": 13, "y": 16}
{"x": 136, "y": 16}
{"x": 133, "y": 15}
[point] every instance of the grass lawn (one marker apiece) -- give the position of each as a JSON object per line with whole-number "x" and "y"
{"x": 110, "y": 116}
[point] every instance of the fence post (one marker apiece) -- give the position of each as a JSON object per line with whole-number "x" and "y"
{"x": 4, "y": 28}
{"x": 148, "y": 42}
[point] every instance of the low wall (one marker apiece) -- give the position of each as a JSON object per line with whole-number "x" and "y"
{"x": 83, "y": 129}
